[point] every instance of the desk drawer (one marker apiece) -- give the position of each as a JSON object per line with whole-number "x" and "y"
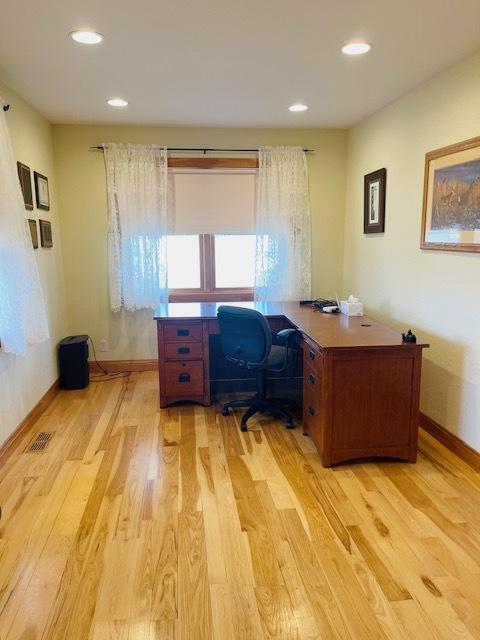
{"x": 184, "y": 378}
{"x": 313, "y": 414}
{"x": 312, "y": 356}
{"x": 312, "y": 393}
{"x": 179, "y": 331}
{"x": 312, "y": 367}
{"x": 183, "y": 350}
{"x": 312, "y": 404}
{"x": 312, "y": 378}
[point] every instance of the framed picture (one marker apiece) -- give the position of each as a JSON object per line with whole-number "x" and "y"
{"x": 46, "y": 233}
{"x": 451, "y": 198}
{"x": 32, "y": 224}
{"x": 26, "y": 185}
{"x": 374, "y": 187}
{"x": 41, "y": 191}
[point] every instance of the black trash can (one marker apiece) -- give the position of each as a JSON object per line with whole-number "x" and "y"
{"x": 73, "y": 362}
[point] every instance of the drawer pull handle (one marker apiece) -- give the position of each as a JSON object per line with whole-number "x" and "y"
{"x": 183, "y": 350}
{"x": 312, "y": 355}
{"x": 184, "y": 377}
{"x": 311, "y": 411}
{"x": 311, "y": 377}
{"x": 183, "y": 332}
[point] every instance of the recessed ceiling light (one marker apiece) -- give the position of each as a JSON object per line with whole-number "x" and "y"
{"x": 356, "y": 48}
{"x": 86, "y": 37}
{"x": 117, "y": 102}
{"x": 297, "y": 107}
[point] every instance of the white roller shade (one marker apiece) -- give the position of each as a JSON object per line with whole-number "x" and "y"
{"x": 208, "y": 201}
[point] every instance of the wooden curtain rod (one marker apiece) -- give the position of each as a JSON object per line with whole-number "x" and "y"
{"x": 205, "y": 150}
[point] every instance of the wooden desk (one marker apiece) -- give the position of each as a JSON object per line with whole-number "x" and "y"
{"x": 361, "y": 384}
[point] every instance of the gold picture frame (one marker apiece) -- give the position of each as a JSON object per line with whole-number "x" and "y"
{"x": 451, "y": 198}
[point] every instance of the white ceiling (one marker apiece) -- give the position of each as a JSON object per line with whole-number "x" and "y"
{"x": 228, "y": 62}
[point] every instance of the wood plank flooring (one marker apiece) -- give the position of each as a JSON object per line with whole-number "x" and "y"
{"x": 137, "y": 523}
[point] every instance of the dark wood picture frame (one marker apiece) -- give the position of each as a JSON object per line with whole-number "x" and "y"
{"x": 26, "y": 185}
{"x": 42, "y": 193}
{"x": 374, "y": 191}
{"x": 46, "y": 234}
{"x": 456, "y": 198}
{"x": 32, "y": 225}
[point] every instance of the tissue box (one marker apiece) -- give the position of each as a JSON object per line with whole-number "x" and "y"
{"x": 351, "y": 308}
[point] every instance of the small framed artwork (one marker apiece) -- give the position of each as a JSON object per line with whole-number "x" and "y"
{"x": 374, "y": 188}
{"x": 32, "y": 224}
{"x": 26, "y": 185}
{"x": 451, "y": 198}
{"x": 41, "y": 191}
{"x": 46, "y": 233}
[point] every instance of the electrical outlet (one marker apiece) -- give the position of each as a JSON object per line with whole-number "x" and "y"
{"x": 103, "y": 345}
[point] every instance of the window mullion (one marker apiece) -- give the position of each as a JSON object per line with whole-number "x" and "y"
{"x": 211, "y": 261}
{"x": 208, "y": 262}
{"x": 203, "y": 271}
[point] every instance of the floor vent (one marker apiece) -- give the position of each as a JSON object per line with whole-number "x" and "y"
{"x": 41, "y": 442}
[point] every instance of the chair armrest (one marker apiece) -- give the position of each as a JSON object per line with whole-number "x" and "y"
{"x": 287, "y": 339}
{"x": 287, "y": 336}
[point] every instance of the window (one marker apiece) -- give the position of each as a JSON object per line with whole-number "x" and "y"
{"x": 212, "y": 254}
{"x": 234, "y": 261}
{"x": 183, "y": 262}
{"x": 211, "y": 267}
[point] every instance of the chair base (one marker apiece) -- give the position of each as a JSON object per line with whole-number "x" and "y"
{"x": 257, "y": 404}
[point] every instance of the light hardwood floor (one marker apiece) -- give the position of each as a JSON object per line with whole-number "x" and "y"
{"x": 138, "y": 523}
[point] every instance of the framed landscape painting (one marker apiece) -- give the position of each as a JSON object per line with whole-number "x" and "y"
{"x": 451, "y": 198}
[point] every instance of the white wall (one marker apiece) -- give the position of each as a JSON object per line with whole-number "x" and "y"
{"x": 23, "y": 381}
{"x": 436, "y": 293}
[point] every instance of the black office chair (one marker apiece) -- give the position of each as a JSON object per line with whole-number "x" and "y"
{"x": 246, "y": 340}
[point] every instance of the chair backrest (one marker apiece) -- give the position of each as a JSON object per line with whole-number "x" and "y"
{"x": 245, "y": 335}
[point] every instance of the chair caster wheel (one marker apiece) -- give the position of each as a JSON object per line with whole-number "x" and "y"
{"x": 225, "y": 411}
{"x": 289, "y": 425}
{"x": 243, "y": 427}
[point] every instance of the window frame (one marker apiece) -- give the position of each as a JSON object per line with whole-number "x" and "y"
{"x": 208, "y": 291}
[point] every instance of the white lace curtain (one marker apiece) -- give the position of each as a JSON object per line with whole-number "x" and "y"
{"x": 23, "y": 318}
{"x": 137, "y": 179}
{"x": 283, "y": 245}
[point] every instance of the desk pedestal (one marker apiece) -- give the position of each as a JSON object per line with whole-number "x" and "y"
{"x": 362, "y": 403}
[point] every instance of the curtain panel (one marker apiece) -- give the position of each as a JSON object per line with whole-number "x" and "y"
{"x": 138, "y": 223}
{"x": 23, "y": 317}
{"x": 283, "y": 231}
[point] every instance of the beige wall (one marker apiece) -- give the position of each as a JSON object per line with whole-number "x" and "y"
{"x": 82, "y": 197}
{"x": 23, "y": 380}
{"x": 436, "y": 293}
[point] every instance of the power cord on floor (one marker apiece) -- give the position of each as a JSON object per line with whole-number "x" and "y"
{"x": 105, "y": 375}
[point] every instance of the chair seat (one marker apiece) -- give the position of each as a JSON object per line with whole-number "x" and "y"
{"x": 276, "y": 357}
